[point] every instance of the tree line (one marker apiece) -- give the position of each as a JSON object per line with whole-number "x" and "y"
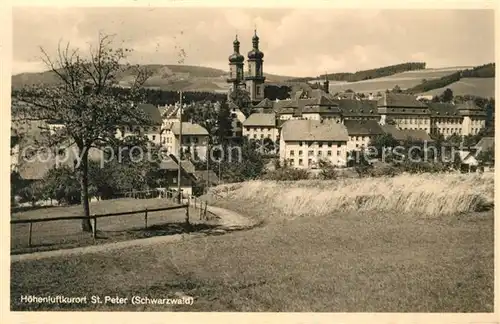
{"x": 482, "y": 71}
{"x": 367, "y": 74}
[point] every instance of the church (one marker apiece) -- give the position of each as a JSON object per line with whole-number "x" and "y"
{"x": 401, "y": 110}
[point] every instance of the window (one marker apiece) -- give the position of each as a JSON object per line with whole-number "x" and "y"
{"x": 338, "y": 153}
{"x": 357, "y": 145}
{"x": 301, "y": 162}
{"x": 329, "y": 153}
{"x": 292, "y": 162}
{"x": 254, "y": 135}
{"x": 310, "y": 153}
{"x": 300, "y": 153}
{"x": 329, "y": 144}
{"x": 309, "y": 161}
{"x": 268, "y": 135}
{"x": 261, "y": 135}
{"x": 154, "y": 137}
{"x": 292, "y": 153}
{"x": 195, "y": 140}
{"x": 300, "y": 143}
{"x": 319, "y": 153}
{"x": 320, "y": 144}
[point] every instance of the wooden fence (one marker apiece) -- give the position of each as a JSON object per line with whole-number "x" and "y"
{"x": 197, "y": 204}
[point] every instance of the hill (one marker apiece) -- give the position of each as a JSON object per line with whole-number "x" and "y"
{"x": 368, "y": 74}
{"x": 481, "y": 87}
{"x": 164, "y": 77}
{"x": 404, "y": 80}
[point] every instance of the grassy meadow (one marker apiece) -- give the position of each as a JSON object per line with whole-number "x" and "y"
{"x": 419, "y": 243}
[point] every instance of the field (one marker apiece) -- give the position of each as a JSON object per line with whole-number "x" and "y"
{"x": 482, "y": 87}
{"x": 404, "y": 80}
{"x": 68, "y": 234}
{"x": 435, "y": 255}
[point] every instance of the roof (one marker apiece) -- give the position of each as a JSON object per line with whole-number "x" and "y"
{"x": 172, "y": 165}
{"x": 469, "y": 108}
{"x": 405, "y": 134}
{"x": 363, "y": 127}
{"x": 313, "y": 130}
{"x": 188, "y": 129}
{"x": 152, "y": 112}
{"x": 261, "y": 119}
{"x": 266, "y": 103}
{"x": 350, "y": 107}
{"x": 398, "y": 100}
{"x": 442, "y": 109}
{"x": 207, "y": 175}
{"x": 467, "y": 158}
{"x": 486, "y": 143}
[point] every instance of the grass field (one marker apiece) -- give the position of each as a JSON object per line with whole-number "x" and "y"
{"x": 67, "y": 233}
{"x": 404, "y": 80}
{"x": 481, "y": 87}
{"x": 360, "y": 260}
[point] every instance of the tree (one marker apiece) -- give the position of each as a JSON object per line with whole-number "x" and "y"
{"x": 396, "y": 89}
{"x": 447, "y": 95}
{"x": 62, "y": 184}
{"x": 84, "y": 101}
{"x": 241, "y": 98}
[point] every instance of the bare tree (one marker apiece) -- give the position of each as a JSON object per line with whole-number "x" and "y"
{"x": 86, "y": 101}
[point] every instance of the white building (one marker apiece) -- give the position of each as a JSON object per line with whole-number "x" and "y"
{"x": 303, "y": 143}
{"x": 261, "y": 126}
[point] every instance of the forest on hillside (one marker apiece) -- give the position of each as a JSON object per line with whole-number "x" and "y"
{"x": 367, "y": 74}
{"x": 482, "y": 71}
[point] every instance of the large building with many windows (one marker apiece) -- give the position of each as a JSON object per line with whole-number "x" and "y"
{"x": 304, "y": 143}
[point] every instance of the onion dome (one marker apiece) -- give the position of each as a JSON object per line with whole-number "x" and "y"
{"x": 255, "y": 53}
{"x": 236, "y": 57}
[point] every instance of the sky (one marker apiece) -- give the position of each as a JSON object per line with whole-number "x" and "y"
{"x": 295, "y": 42}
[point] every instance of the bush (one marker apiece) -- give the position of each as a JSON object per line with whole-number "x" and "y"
{"x": 328, "y": 171}
{"x": 286, "y": 174}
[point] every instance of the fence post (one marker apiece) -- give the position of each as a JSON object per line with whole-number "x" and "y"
{"x": 94, "y": 231}
{"x": 31, "y": 229}
{"x": 187, "y": 213}
{"x": 146, "y": 218}
{"x": 205, "y": 212}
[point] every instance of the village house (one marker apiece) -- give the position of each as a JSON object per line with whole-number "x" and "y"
{"x": 151, "y": 129}
{"x": 194, "y": 139}
{"x": 188, "y": 176}
{"x": 260, "y": 126}
{"x": 303, "y": 143}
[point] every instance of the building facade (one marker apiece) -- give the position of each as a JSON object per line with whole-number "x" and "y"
{"x": 261, "y": 126}
{"x": 304, "y": 143}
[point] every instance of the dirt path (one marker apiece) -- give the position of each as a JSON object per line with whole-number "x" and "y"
{"x": 229, "y": 221}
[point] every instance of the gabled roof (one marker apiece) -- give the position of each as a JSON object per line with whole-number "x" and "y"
{"x": 398, "y": 100}
{"x": 266, "y": 103}
{"x": 363, "y": 127}
{"x": 207, "y": 175}
{"x": 486, "y": 143}
{"x": 152, "y": 113}
{"x": 188, "y": 129}
{"x": 261, "y": 119}
{"x": 313, "y": 130}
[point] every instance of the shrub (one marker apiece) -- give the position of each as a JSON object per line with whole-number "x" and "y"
{"x": 286, "y": 174}
{"x": 328, "y": 171}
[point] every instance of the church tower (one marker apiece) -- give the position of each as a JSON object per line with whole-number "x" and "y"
{"x": 236, "y": 77}
{"x": 255, "y": 76}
